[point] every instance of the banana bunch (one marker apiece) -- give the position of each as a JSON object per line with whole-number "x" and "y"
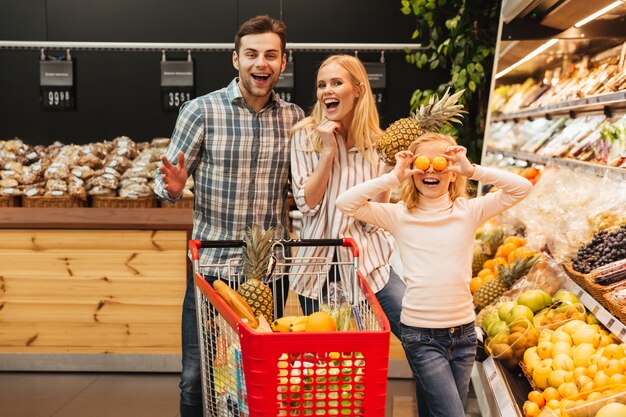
{"x": 289, "y": 324}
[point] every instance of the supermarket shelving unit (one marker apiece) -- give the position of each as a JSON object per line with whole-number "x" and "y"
{"x": 525, "y": 25}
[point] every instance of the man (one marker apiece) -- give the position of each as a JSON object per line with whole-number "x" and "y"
{"x": 234, "y": 142}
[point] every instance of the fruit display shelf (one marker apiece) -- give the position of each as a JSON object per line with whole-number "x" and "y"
{"x": 502, "y": 391}
{"x": 602, "y": 314}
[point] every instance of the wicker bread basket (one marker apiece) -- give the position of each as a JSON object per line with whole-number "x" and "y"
{"x": 9, "y": 201}
{"x": 52, "y": 202}
{"x": 123, "y": 202}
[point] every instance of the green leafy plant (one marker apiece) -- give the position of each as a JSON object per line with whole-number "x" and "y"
{"x": 459, "y": 37}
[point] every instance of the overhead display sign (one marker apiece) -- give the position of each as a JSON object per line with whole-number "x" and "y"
{"x": 56, "y": 83}
{"x": 286, "y": 83}
{"x": 377, "y": 76}
{"x": 177, "y": 84}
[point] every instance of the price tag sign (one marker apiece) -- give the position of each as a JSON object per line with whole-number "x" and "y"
{"x": 377, "y": 76}
{"x": 177, "y": 84}
{"x": 56, "y": 83}
{"x": 285, "y": 86}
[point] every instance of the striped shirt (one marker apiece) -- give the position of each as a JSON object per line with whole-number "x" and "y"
{"x": 239, "y": 161}
{"x": 325, "y": 221}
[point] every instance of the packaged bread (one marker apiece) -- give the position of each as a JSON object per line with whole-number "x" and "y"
{"x": 82, "y": 172}
{"x": 8, "y": 183}
{"x": 56, "y": 184}
{"x": 76, "y": 188}
{"x": 57, "y": 170}
{"x": 89, "y": 160}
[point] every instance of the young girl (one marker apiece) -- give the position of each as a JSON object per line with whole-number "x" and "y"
{"x": 331, "y": 151}
{"x": 434, "y": 227}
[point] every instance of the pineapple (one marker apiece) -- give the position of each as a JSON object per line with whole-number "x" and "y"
{"x": 428, "y": 118}
{"x": 256, "y": 259}
{"x": 485, "y": 247}
{"x": 507, "y": 275}
{"x": 480, "y": 256}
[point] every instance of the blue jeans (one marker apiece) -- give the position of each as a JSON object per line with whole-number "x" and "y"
{"x": 442, "y": 361}
{"x": 390, "y": 299}
{"x": 190, "y": 379}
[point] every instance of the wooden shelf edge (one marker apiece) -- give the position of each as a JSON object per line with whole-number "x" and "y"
{"x": 96, "y": 218}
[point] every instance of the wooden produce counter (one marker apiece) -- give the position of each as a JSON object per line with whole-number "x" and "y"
{"x": 92, "y": 289}
{"x": 98, "y": 289}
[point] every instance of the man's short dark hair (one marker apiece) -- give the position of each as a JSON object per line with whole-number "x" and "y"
{"x": 259, "y": 25}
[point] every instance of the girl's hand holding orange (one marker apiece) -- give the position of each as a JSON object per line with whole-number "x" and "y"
{"x": 458, "y": 162}
{"x": 404, "y": 165}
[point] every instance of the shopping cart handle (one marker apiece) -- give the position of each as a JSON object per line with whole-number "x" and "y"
{"x": 348, "y": 242}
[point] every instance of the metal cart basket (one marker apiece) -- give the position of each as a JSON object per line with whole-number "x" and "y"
{"x": 250, "y": 373}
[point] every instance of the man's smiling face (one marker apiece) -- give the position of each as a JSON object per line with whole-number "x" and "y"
{"x": 260, "y": 62}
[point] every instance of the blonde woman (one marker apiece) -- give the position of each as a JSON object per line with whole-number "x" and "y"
{"x": 331, "y": 151}
{"x": 434, "y": 227}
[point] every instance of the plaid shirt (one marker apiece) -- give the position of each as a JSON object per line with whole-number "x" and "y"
{"x": 239, "y": 161}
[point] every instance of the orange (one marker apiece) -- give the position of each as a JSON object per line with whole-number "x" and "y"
{"x": 440, "y": 163}
{"x": 531, "y": 409}
{"x": 537, "y": 398}
{"x": 504, "y": 250}
{"x": 498, "y": 261}
{"x": 516, "y": 240}
{"x": 488, "y": 264}
{"x": 550, "y": 394}
{"x": 422, "y": 162}
{"x": 475, "y": 284}
{"x": 484, "y": 272}
{"x": 521, "y": 252}
{"x": 320, "y": 322}
{"x": 488, "y": 278}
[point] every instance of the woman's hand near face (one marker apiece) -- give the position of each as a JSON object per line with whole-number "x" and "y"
{"x": 404, "y": 165}
{"x": 327, "y": 130}
{"x": 458, "y": 162}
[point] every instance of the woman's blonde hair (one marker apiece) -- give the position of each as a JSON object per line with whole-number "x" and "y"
{"x": 365, "y": 128}
{"x": 409, "y": 192}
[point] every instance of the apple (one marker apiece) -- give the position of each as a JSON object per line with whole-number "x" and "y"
{"x": 560, "y": 336}
{"x": 566, "y": 297}
{"x": 556, "y": 377}
{"x": 613, "y": 351}
{"x": 614, "y": 367}
{"x": 562, "y": 361}
{"x": 521, "y": 312}
{"x": 582, "y": 354}
{"x": 540, "y": 375}
{"x": 586, "y": 334}
{"x": 544, "y": 349}
{"x": 535, "y": 299}
{"x": 561, "y": 347}
{"x": 489, "y": 319}
{"x": 571, "y": 326}
{"x": 612, "y": 410}
{"x": 504, "y": 310}
{"x": 497, "y": 327}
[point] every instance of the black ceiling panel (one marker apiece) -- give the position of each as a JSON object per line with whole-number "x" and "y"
{"x": 142, "y": 20}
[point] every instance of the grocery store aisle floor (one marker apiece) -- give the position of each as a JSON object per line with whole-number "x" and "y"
{"x": 52, "y": 394}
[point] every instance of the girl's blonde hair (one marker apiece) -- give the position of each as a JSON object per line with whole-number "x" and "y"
{"x": 409, "y": 192}
{"x": 365, "y": 128}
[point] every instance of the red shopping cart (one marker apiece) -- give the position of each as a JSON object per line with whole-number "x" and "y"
{"x": 250, "y": 373}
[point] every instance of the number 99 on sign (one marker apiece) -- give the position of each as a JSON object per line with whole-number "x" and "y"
{"x": 56, "y": 98}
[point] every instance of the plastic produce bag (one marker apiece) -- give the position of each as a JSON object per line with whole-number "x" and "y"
{"x": 508, "y": 346}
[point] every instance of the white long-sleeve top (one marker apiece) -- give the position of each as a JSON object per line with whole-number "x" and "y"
{"x": 324, "y": 221}
{"x": 435, "y": 242}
